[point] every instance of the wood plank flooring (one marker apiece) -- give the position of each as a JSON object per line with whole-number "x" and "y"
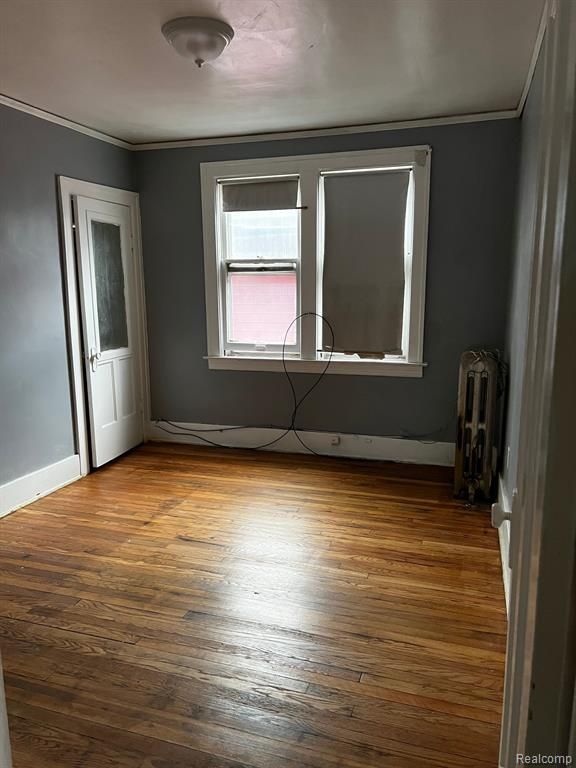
{"x": 195, "y": 608}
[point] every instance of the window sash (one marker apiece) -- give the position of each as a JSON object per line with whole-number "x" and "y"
{"x": 259, "y": 348}
{"x": 228, "y": 346}
{"x": 225, "y": 234}
{"x": 261, "y": 265}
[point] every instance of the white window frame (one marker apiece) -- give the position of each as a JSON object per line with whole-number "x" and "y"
{"x": 244, "y": 349}
{"x": 309, "y": 169}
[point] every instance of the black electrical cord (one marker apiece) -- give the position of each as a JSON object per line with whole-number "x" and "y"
{"x": 295, "y": 401}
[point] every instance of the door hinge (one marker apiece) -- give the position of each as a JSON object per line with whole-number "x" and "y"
{"x": 553, "y": 10}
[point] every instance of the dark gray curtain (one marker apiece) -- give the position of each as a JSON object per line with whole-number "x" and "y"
{"x": 363, "y": 279}
{"x": 260, "y": 195}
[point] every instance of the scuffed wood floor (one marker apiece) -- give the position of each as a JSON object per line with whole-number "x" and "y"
{"x": 195, "y": 608}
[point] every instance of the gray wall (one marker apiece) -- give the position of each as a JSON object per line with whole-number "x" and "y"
{"x": 470, "y": 240}
{"x": 35, "y": 407}
{"x": 522, "y": 266}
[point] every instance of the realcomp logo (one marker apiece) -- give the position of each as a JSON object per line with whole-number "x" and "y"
{"x": 543, "y": 760}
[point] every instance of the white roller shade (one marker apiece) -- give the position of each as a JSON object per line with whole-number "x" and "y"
{"x": 363, "y": 278}
{"x": 269, "y": 195}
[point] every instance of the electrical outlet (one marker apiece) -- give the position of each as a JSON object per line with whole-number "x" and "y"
{"x": 336, "y": 440}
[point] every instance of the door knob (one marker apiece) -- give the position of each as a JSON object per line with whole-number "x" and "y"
{"x": 94, "y": 357}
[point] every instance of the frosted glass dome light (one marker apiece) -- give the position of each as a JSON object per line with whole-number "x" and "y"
{"x": 197, "y": 38}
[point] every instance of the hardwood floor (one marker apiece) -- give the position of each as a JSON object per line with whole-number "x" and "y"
{"x": 194, "y": 608}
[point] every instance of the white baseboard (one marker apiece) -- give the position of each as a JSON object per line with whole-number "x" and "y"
{"x": 504, "y": 538}
{"x": 17, "y": 493}
{"x": 350, "y": 446}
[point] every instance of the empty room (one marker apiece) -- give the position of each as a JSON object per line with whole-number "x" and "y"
{"x": 287, "y": 321}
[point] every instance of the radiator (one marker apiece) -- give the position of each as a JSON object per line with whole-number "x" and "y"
{"x": 480, "y": 386}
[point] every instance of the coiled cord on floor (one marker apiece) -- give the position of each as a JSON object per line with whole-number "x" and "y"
{"x": 296, "y": 402}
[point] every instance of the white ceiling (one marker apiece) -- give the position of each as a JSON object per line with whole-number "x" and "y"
{"x": 293, "y": 64}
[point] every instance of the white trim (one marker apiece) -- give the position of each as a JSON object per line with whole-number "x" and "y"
{"x": 350, "y": 367}
{"x": 24, "y": 490}
{"x": 534, "y": 59}
{"x": 309, "y": 169}
{"x": 419, "y": 256}
{"x": 427, "y": 122}
{"x": 321, "y": 162}
{"x": 310, "y": 260}
{"x": 349, "y": 446}
{"x": 21, "y": 106}
{"x": 346, "y": 130}
{"x": 536, "y": 672}
{"x": 141, "y": 309}
{"x": 504, "y": 539}
{"x": 68, "y": 189}
{"x": 212, "y": 294}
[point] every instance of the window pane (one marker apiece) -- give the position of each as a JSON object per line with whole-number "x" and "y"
{"x": 262, "y": 234}
{"x": 109, "y": 276}
{"x": 262, "y": 306}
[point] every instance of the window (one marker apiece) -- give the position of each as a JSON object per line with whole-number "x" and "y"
{"x": 340, "y": 235}
{"x": 260, "y": 242}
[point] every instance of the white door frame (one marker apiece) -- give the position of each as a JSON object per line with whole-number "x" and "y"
{"x": 537, "y": 705}
{"x": 68, "y": 188}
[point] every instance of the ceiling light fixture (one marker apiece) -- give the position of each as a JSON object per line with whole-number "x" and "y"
{"x": 197, "y": 38}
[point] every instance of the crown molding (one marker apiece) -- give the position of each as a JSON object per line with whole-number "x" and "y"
{"x": 338, "y": 131}
{"x": 21, "y": 106}
{"x": 547, "y": 11}
{"x": 305, "y": 133}
{"x": 254, "y": 137}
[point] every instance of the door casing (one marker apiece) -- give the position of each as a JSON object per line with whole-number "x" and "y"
{"x": 68, "y": 188}
{"x": 536, "y": 718}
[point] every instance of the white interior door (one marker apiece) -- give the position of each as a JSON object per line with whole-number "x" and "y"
{"x": 107, "y": 282}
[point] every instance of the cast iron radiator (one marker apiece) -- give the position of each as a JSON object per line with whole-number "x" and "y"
{"x": 480, "y": 386}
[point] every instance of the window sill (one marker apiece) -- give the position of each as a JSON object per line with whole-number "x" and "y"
{"x": 346, "y": 367}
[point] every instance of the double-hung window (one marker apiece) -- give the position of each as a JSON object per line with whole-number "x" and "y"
{"x": 259, "y": 233}
{"x": 299, "y": 248}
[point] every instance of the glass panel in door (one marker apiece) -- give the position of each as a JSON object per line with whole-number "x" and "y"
{"x": 109, "y": 285}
